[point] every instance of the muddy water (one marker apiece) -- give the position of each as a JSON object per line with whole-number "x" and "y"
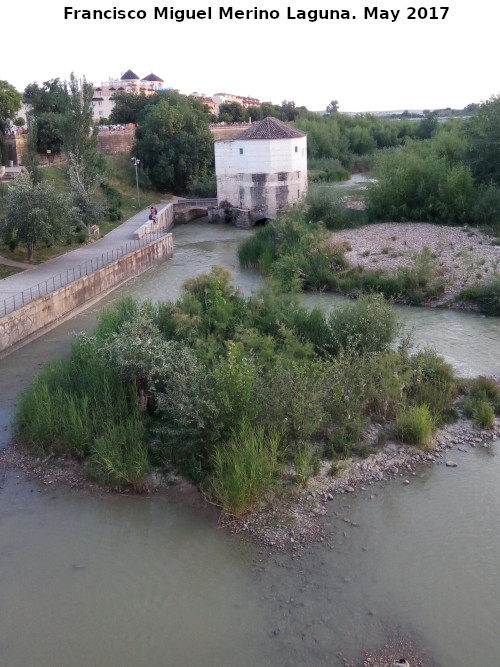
{"x": 127, "y": 581}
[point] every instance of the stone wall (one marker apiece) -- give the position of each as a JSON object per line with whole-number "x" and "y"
{"x": 117, "y": 141}
{"x": 38, "y": 316}
{"x": 16, "y": 147}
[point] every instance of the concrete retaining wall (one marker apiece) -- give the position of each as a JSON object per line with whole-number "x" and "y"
{"x": 164, "y": 220}
{"x": 39, "y": 315}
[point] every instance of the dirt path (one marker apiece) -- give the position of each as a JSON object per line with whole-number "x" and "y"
{"x": 17, "y": 265}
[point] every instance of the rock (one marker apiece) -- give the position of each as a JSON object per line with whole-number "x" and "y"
{"x": 451, "y": 464}
{"x": 406, "y": 482}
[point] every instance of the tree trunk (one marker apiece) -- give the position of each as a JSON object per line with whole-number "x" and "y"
{"x": 30, "y": 252}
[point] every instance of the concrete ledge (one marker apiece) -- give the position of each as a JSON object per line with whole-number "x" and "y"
{"x": 165, "y": 221}
{"x": 41, "y": 314}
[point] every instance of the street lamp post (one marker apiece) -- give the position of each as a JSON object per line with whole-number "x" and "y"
{"x": 136, "y": 162}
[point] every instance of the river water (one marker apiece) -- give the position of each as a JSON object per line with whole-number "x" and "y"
{"x": 120, "y": 580}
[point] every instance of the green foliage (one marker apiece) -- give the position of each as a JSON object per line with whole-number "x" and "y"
{"x": 230, "y": 388}
{"x": 85, "y": 163}
{"x": 10, "y": 101}
{"x": 485, "y": 387}
{"x": 414, "y": 183}
{"x": 327, "y": 206}
{"x": 486, "y": 295}
{"x": 297, "y": 254}
{"x": 323, "y": 170}
{"x": 486, "y": 210}
{"x": 483, "y": 151}
{"x": 127, "y": 107}
{"x": 232, "y": 112}
{"x": 306, "y": 462}
{"x": 234, "y": 386}
{"x": 119, "y": 455}
{"x": 488, "y": 298}
{"x": 292, "y": 394}
{"x": 415, "y": 425}
{"x": 483, "y": 401}
{"x": 347, "y": 138}
{"x": 115, "y": 200}
{"x": 174, "y": 142}
{"x": 203, "y": 186}
{"x": 366, "y": 325}
{"x": 433, "y": 383}
{"x": 47, "y": 103}
{"x": 71, "y": 402}
{"x": 36, "y": 213}
{"x": 483, "y": 413}
{"x": 244, "y": 468}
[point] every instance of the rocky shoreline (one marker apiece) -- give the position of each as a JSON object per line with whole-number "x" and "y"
{"x": 295, "y": 524}
{"x": 296, "y": 519}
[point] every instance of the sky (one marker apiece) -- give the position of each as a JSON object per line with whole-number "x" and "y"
{"x": 365, "y": 63}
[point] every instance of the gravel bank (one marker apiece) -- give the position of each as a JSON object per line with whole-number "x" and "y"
{"x": 464, "y": 256}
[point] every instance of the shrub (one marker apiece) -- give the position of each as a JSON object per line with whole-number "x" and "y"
{"x": 367, "y": 325}
{"x": 203, "y": 186}
{"x": 326, "y": 205}
{"x": 433, "y": 382}
{"x": 488, "y": 298}
{"x": 414, "y": 425}
{"x": 414, "y": 183}
{"x": 485, "y": 387}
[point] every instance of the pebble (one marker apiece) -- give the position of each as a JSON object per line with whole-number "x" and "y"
{"x": 451, "y": 464}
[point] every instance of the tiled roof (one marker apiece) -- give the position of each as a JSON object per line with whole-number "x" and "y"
{"x": 271, "y": 128}
{"x": 129, "y": 75}
{"x": 152, "y": 77}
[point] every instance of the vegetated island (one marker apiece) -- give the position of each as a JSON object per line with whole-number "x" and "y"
{"x": 268, "y": 408}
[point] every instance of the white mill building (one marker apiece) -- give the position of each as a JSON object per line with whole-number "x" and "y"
{"x": 262, "y": 171}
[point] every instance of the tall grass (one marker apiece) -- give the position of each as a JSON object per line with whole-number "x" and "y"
{"x": 119, "y": 455}
{"x": 414, "y": 425}
{"x": 245, "y": 468}
{"x": 78, "y": 406}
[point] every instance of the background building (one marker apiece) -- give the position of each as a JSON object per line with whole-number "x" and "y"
{"x": 129, "y": 82}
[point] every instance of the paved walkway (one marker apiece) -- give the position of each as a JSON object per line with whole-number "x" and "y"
{"x": 113, "y": 241}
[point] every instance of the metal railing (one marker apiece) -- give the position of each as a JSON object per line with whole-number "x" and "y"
{"x": 71, "y": 275}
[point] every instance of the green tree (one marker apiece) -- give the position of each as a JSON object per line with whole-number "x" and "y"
{"x": 36, "y": 213}
{"x": 10, "y": 101}
{"x": 333, "y": 107}
{"x": 47, "y": 102}
{"x": 232, "y": 112}
{"x": 289, "y": 111}
{"x": 483, "y": 152}
{"x": 127, "y": 107}
{"x": 30, "y": 157}
{"x": 50, "y": 97}
{"x": 80, "y": 145}
{"x": 174, "y": 143}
